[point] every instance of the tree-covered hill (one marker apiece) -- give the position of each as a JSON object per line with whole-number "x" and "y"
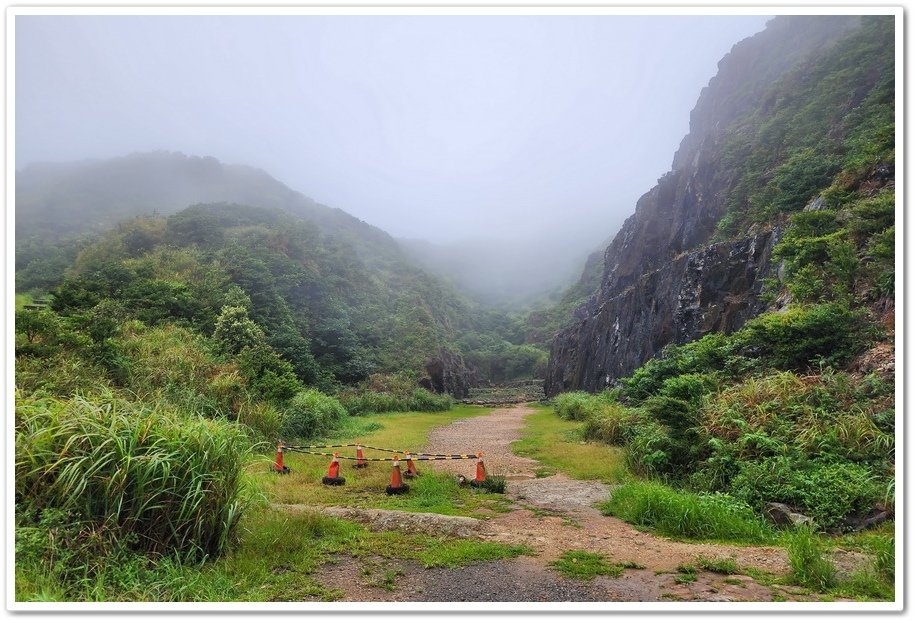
{"x": 59, "y": 205}
{"x": 334, "y": 295}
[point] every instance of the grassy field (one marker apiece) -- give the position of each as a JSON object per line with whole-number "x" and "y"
{"x": 432, "y": 493}
{"x": 558, "y": 444}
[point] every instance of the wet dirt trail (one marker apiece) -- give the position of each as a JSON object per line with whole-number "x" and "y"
{"x": 555, "y": 514}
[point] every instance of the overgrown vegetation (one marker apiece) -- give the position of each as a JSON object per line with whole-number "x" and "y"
{"x": 390, "y": 393}
{"x": 716, "y": 517}
{"x": 174, "y": 348}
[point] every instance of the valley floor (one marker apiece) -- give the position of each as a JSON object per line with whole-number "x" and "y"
{"x": 551, "y": 516}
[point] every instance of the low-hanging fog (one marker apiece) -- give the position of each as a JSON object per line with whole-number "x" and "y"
{"x": 513, "y": 146}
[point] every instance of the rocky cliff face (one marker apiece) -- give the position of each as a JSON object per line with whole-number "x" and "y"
{"x": 715, "y": 288}
{"x": 663, "y": 281}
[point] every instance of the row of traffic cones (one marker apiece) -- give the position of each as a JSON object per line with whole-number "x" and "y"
{"x": 397, "y": 486}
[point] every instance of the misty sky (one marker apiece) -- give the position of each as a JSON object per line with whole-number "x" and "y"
{"x": 428, "y": 127}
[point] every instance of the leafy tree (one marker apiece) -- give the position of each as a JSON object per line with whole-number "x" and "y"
{"x": 235, "y": 331}
{"x": 269, "y": 377}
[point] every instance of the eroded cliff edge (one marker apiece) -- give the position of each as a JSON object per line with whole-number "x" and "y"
{"x": 665, "y": 280}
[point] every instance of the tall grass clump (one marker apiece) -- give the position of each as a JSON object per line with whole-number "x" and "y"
{"x": 808, "y": 559}
{"x": 614, "y": 424}
{"x": 578, "y": 406}
{"x": 149, "y": 476}
{"x": 680, "y": 514}
{"x": 366, "y": 401}
{"x": 311, "y": 413}
{"x": 425, "y": 400}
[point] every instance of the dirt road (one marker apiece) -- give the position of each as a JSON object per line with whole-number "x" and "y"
{"x": 553, "y": 515}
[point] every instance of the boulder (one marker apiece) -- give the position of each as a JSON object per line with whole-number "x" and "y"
{"x": 783, "y": 515}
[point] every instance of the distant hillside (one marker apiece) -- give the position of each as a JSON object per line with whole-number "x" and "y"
{"x": 66, "y": 200}
{"x": 335, "y": 296}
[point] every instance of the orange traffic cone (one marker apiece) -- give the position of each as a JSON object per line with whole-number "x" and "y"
{"x": 481, "y": 472}
{"x": 397, "y": 486}
{"x": 411, "y": 468}
{"x": 333, "y": 478}
{"x": 361, "y": 461}
{"x": 278, "y": 465}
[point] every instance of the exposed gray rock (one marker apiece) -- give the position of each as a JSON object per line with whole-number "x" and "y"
{"x": 448, "y": 374}
{"x": 783, "y": 515}
{"x": 877, "y": 515}
{"x": 559, "y": 493}
{"x": 716, "y": 288}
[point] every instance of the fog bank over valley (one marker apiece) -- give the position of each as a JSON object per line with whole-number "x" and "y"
{"x": 520, "y": 142}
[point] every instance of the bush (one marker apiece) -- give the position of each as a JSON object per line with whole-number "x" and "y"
{"x": 712, "y": 352}
{"x": 167, "y": 483}
{"x": 578, "y": 406}
{"x": 424, "y": 400}
{"x": 372, "y": 402}
{"x": 805, "y": 334}
{"x": 827, "y": 491}
{"x": 263, "y": 419}
{"x": 311, "y": 414}
{"x": 650, "y": 449}
{"x": 614, "y": 425}
{"x": 680, "y": 514}
{"x": 269, "y": 377}
{"x": 368, "y": 401}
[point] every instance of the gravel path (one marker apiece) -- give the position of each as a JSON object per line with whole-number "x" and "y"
{"x": 491, "y": 434}
{"x": 552, "y": 515}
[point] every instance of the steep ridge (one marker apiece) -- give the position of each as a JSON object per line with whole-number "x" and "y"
{"x": 674, "y": 272}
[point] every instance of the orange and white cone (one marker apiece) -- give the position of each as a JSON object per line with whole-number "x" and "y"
{"x": 411, "y": 468}
{"x": 361, "y": 461}
{"x": 333, "y": 477}
{"x": 481, "y": 472}
{"x": 397, "y": 486}
{"x": 278, "y": 465}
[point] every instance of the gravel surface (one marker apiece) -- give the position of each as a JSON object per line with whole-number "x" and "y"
{"x": 552, "y": 515}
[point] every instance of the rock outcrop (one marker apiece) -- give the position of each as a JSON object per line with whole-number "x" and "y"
{"x": 448, "y": 374}
{"x": 664, "y": 281}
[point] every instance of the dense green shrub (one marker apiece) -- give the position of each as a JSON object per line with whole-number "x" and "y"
{"x": 425, "y": 400}
{"x": 826, "y": 491}
{"x": 364, "y": 402}
{"x": 651, "y": 449}
{"x": 805, "y": 334}
{"x": 160, "y": 481}
{"x": 702, "y": 357}
{"x": 399, "y": 399}
{"x": 235, "y": 331}
{"x": 826, "y": 415}
{"x": 578, "y": 406}
{"x": 311, "y": 414}
{"x": 681, "y": 514}
{"x": 268, "y": 376}
{"x": 614, "y": 425}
